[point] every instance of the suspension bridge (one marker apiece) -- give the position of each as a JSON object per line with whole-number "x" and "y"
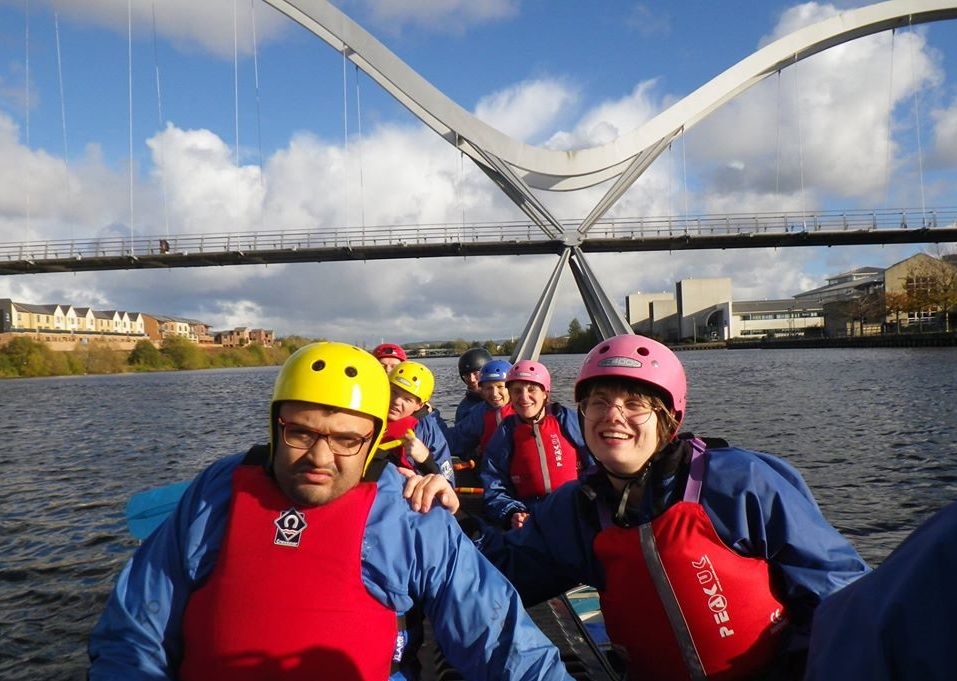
{"x": 744, "y": 230}
{"x": 519, "y": 170}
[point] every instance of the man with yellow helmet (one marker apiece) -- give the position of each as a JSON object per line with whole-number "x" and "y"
{"x": 413, "y": 422}
{"x": 289, "y": 562}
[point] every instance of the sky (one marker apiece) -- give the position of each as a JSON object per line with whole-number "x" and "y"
{"x": 227, "y": 133}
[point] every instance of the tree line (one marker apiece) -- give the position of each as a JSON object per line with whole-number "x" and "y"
{"x": 25, "y": 357}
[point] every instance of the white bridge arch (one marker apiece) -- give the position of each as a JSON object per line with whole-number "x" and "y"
{"x": 517, "y": 168}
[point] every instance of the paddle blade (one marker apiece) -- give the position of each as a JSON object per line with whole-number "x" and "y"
{"x": 145, "y": 511}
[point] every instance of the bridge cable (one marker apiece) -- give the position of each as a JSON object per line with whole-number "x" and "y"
{"x": 129, "y": 90}
{"x": 259, "y": 126}
{"x": 66, "y": 150}
{"x": 236, "y": 82}
{"x": 345, "y": 135}
{"x": 684, "y": 172}
{"x": 890, "y": 122}
{"x": 162, "y": 137}
{"x": 26, "y": 101}
{"x": 461, "y": 191}
{"x": 671, "y": 188}
{"x": 362, "y": 203}
{"x": 777, "y": 147}
{"x": 800, "y": 129}
{"x": 920, "y": 151}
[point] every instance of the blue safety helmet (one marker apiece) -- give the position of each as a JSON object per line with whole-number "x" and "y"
{"x": 496, "y": 370}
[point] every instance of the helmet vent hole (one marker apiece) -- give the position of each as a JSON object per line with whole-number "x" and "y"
{"x": 351, "y": 372}
{"x": 643, "y": 351}
{"x": 318, "y": 365}
{"x": 604, "y": 349}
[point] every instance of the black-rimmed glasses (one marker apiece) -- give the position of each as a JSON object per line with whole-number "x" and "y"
{"x": 634, "y": 411}
{"x": 298, "y": 436}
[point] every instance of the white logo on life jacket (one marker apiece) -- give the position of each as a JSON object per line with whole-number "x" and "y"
{"x": 711, "y": 586}
{"x": 289, "y": 527}
{"x": 557, "y": 450}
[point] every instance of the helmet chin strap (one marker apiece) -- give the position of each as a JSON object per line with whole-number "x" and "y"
{"x": 638, "y": 479}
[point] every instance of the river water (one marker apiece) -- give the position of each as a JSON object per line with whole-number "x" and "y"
{"x": 873, "y": 432}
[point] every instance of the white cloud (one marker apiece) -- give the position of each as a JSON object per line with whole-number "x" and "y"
{"x": 610, "y": 119}
{"x": 206, "y": 25}
{"x": 822, "y": 126}
{"x": 446, "y": 16}
{"x": 527, "y": 110}
{"x": 945, "y": 135}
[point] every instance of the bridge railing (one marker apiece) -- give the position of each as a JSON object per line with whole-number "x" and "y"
{"x": 737, "y": 224}
{"x": 479, "y": 232}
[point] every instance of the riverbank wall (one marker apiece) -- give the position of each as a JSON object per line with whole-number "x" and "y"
{"x": 908, "y": 340}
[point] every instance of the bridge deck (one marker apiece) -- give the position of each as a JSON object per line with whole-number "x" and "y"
{"x": 761, "y": 230}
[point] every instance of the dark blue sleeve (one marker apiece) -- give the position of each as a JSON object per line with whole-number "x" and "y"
{"x": 139, "y": 634}
{"x": 896, "y": 622}
{"x": 761, "y": 507}
{"x": 465, "y": 406}
{"x": 476, "y": 615}
{"x": 552, "y": 552}
{"x": 430, "y": 432}
{"x": 571, "y": 428}
{"x": 498, "y": 495}
{"x": 467, "y": 433}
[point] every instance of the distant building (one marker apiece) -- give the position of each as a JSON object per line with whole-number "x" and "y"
{"x": 242, "y": 336}
{"x": 782, "y": 317}
{"x": 699, "y": 309}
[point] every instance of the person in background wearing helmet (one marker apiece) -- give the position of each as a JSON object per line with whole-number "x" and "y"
{"x": 535, "y": 451}
{"x": 470, "y": 366}
{"x": 389, "y": 354}
{"x": 468, "y": 437}
{"x": 709, "y": 559}
{"x": 285, "y": 563}
{"x": 424, "y": 447}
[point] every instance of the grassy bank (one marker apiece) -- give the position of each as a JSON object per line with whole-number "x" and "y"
{"x": 24, "y": 357}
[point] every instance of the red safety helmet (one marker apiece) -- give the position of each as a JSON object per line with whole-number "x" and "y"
{"x": 389, "y": 350}
{"x": 641, "y": 359}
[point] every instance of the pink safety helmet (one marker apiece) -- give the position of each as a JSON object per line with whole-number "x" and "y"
{"x": 640, "y": 359}
{"x": 533, "y": 372}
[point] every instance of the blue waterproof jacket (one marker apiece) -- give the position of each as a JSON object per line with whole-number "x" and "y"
{"x": 466, "y": 435}
{"x": 500, "y": 499}
{"x": 759, "y": 505}
{"x": 897, "y": 622}
{"x": 466, "y": 405}
{"x": 431, "y": 431}
{"x": 409, "y": 560}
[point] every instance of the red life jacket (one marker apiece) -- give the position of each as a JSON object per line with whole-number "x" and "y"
{"x": 542, "y": 458}
{"x": 492, "y": 418}
{"x": 396, "y": 430}
{"x": 285, "y": 600}
{"x": 681, "y": 603}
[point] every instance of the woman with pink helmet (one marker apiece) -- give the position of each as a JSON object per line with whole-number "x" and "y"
{"x": 709, "y": 559}
{"x": 533, "y": 452}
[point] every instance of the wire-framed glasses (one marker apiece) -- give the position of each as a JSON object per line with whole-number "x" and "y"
{"x": 633, "y": 410}
{"x": 299, "y": 436}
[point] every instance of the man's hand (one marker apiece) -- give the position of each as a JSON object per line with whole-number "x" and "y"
{"x": 421, "y": 491}
{"x": 415, "y": 447}
{"x": 518, "y": 519}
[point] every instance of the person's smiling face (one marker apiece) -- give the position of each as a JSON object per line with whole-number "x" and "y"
{"x": 620, "y": 429}
{"x": 527, "y": 398}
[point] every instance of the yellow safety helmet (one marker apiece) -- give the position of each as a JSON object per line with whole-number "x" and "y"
{"x": 336, "y": 375}
{"x": 414, "y": 378}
